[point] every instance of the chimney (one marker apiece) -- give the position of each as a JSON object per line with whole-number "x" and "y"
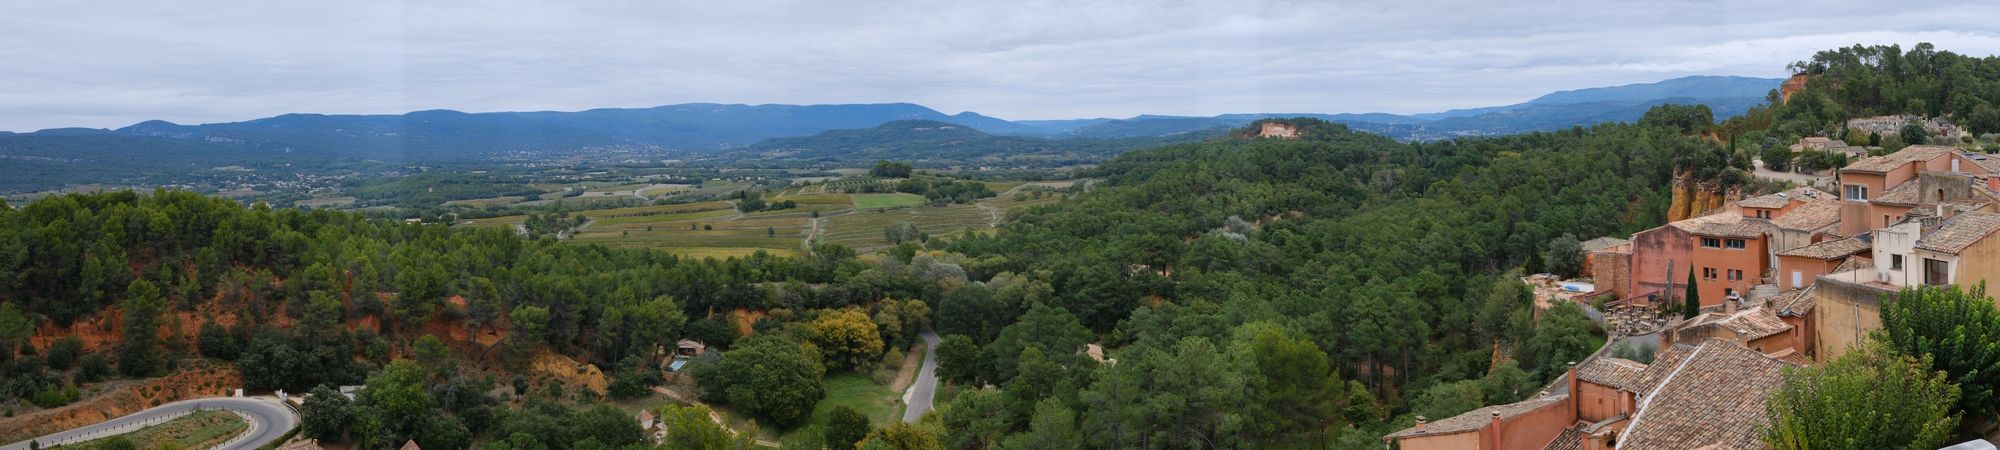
{"x": 1575, "y": 401}
{"x": 1496, "y": 429}
{"x": 1420, "y": 424}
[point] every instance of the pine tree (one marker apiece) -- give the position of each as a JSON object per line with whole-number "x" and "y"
{"x": 1693, "y": 299}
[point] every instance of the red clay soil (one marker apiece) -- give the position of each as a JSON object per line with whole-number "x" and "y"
{"x": 126, "y": 398}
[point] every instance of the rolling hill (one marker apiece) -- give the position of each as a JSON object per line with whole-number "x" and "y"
{"x": 934, "y": 144}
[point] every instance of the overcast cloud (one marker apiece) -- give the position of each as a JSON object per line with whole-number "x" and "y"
{"x": 116, "y": 62}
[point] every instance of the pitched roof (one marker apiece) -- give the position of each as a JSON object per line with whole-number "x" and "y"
{"x": 1796, "y": 302}
{"x": 1727, "y": 213}
{"x": 1603, "y": 243}
{"x": 1989, "y": 162}
{"x": 1708, "y": 394}
{"x": 1892, "y": 161}
{"x": 1570, "y": 439}
{"x": 1768, "y": 201}
{"x": 1618, "y": 373}
{"x": 1830, "y": 250}
{"x": 1747, "y": 229}
{"x": 1747, "y": 324}
{"x": 1854, "y": 263}
{"x": 1813, "y": 215}
{"x": 1903, "y": 194}
{"x": 1960, "y": 231}
{"x": 1475, "y": 419}
{"x": 411, "y": 445}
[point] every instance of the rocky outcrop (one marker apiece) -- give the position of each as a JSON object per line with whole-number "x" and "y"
{"x": 1793, "y": 85}
{"x": 121, "y": 398}
{"x": 1693, "y": 198}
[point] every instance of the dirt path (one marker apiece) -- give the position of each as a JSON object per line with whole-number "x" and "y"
{"x": 908, "y": 372}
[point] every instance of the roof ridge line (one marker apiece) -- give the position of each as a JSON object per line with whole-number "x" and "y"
{"x": 1648, "y": 401}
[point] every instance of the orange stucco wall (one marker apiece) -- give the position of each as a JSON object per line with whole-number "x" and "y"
{"x": 1803, "y": 330}
{"x": 1534, "y": 429}
{"x": 1854, "y": 215}
{"x": 1806, "y": 269}
{"x": 1597, "y": 402}
{"x": 1750, "y": 259}
{"x": 1459, "y": 441}
{"x": 1652, "y": 251}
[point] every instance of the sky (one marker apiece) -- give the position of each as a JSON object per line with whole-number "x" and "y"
{"x": 111, "y": 63}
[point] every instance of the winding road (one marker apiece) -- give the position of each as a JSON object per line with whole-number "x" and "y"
{"x": 269, "y": 420}
{"x": 925, "y": 386}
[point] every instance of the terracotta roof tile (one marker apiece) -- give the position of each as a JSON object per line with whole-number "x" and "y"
{"x": 1830, "y": 250}
{"x": 1570, "y": 439}
{"x": 1748, "y": 324}
{"x": 1475, "y": 419}
{"x": 1796, "y": 302}
{"x": 1989, "y": 162}
{"x": 1960, "y": 231}
{"x": 1813, "y": 215}
{"x": 1895, "y": 160}
{"x": 1618, "y": 373}
{"x": 1711, "y": 394}
{"x": 1903, "y": 194}
{"x": 1855, "y": 263}
{"x": 1602, "y": 243}
{"x": 1748, "y": 229}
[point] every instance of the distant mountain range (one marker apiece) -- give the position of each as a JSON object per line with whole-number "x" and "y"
{"x": 1727, "y": 96}
{"x": 931, "y": 143}
{"x": 800, "y": 132}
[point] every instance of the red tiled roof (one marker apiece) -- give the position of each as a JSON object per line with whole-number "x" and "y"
{"x": 1813, "y": 215}
{"x": 1475, "y": 419}
{"x": 1829, "y": 250}
{"x": 1960, "y": 231}
{"x": 1712, "y": 393}
{"x": 1617, "y": 373}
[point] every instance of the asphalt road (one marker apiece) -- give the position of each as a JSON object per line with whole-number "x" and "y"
{"x": 925, "y": 386}
{"x": 268, "y": 421}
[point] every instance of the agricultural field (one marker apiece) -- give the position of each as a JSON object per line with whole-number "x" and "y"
{"x": 487, "y": 202}
{"x": 717, "y": 229}
{"x": 863, "y": 230}
{"x": 328, "y": 202}
{"x": 881, "y": 201}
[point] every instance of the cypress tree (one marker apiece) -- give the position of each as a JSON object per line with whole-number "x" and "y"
{"x": 1693, "y": 298}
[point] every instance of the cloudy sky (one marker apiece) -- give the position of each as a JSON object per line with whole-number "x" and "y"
{"x": 112, "y": 63}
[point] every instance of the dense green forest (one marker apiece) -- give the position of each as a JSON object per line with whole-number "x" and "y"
{"x": 1254, "y": 293}
{"x": 1284, "y": 281}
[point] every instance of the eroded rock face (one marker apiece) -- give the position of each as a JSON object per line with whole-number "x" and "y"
{"x": 1693, "y": 198}
{"x": 122, "y": 398}
{"x": 1792, "y": 85}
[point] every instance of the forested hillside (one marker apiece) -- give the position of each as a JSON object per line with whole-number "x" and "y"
{"x": 1254, "y": 277}
{"x": 1863, "y": 81}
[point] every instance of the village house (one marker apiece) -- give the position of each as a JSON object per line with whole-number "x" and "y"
{"x": 1756, "y": 327}
{"x": 1710, "y": 393}
{"x": 1800, "y": 267}
{"x": 1922, "y": 250}
{"x": 1867, "y": 202}
{"x": 1661, "y": 257}
{"x": 1729, "y": 257}
{"x": 1893, "y": 125}
{"x": 1729, "y": 250}
{"x": 1831, "y": 145}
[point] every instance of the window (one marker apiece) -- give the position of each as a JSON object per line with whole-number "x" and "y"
{"x": 1734, "y": 243}
{"x": 1895, "y": 262}
{"x": 1711, "y": 242}
{"x": 1735, "y": 275}
{"x": 1708, "y": 273}
{"x": 1936, "y": 273}
{"x": 1857, "y": 192}
{"x": 1798, "y": 280}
